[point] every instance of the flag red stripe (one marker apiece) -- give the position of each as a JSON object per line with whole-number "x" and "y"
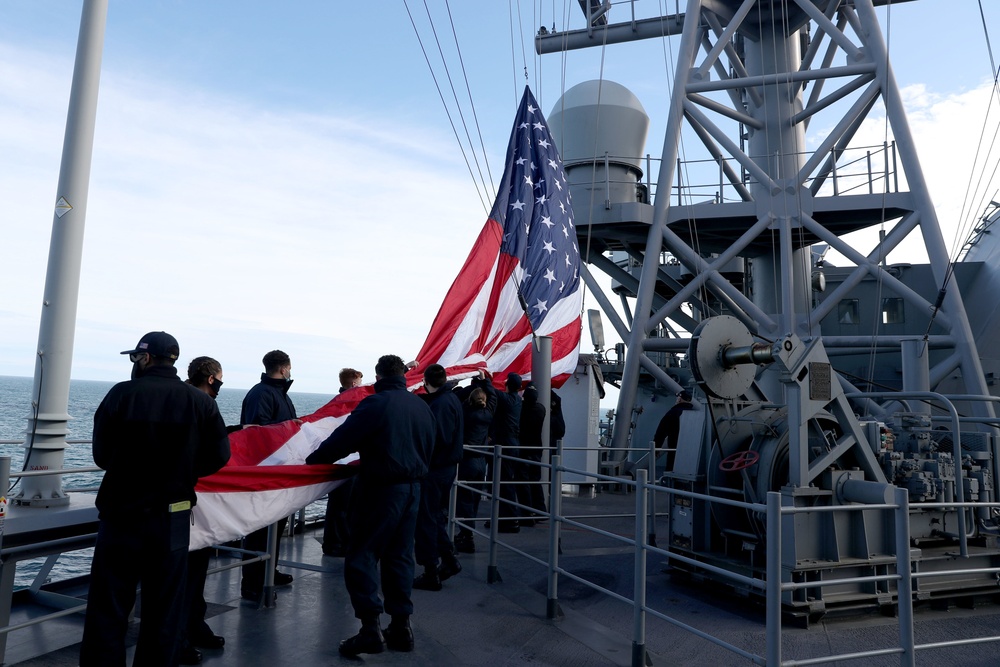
{"x": 462, "y": 294}
{"x": 268, "y": 478}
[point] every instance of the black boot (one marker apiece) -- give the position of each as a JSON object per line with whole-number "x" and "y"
{"x": 368, "y": 640}
{"x": 429, "y": 580}
{"x": 399, "y": 635}
{"x": 449, "y": 566}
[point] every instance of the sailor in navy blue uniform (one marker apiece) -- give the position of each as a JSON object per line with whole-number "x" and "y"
{"x": 393, "y": 431}
{"x": 267, "y": 402}
{"x": 154, "y": 436}
{"x": 505, "y": 431}
{"x": 433, "y": 549}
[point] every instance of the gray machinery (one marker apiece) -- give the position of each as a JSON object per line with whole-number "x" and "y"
{"x": 729, "y": 283}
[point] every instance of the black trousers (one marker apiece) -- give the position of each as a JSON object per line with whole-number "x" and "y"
{"x": 508, "y": 477}
{"x": 151, "y": 550}
{"x": 336, "y": 526}
{"x": 472, "y": 469}
{"x": 383, "y": 521}
{"x": 531, "y": 493}
{"x": 253, "y": 574}
{"x": 197, "y": 607}
{"x": 431, "y": 539}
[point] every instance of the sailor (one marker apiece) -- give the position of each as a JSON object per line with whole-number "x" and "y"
{"x": 335, "y": 526}
{"x": 204, "y": 374}
{"x": 393, "y": 431}
{"x": 529, "y": 489}
{"x": 434, "y": 551}
{"x": 479, "y": 404}
{"x": 154, "y": 436}
{"x": 669, "y": 427}
{"x": 267, "y": 402}
{"x": 505, "y": 432}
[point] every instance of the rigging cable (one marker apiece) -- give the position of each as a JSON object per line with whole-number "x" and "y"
{"x": 969, "y": 212}
{"x": 451, "y": 83}
{"x": 882, "y": 255}
{"x": 468, "y": 89}
{"x": 34, "y": 421}
{"x": 967, "y": 217}
{"x": 451, "y": 121}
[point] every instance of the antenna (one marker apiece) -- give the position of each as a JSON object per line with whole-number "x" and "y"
{"x": 596, "y": 330}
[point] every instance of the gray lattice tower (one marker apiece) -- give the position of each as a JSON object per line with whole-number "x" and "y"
{"x": 750, "y": 77}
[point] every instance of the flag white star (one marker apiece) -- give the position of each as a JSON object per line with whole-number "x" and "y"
{"x": 548, "y": 247}
{"x": 551, "y": 277}
{"x": 547, "y": 221}
{"x": 541, "y": 200}
{"x": 522, "y": 126}
{"x": 541, "y": 306}
{"x": 543, "y": 143}
{"x": 539, "y": 127}
{"x": 520, "y": 161}
{"x": 519, "y": 205}
{"x": 531, "y": 109}
{"x": 527, "y": 179}
{"x": 559, "y": 185}
{"x": 567, "y": 259}
{"x": 565, "y": 231}
{"x": 562, "y": 207}
{"x": 552, "y": 163}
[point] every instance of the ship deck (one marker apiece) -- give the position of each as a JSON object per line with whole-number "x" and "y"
{"x": 472, "y": 622}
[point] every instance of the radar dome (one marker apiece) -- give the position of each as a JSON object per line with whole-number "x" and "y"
{"x": 597, "y": 118}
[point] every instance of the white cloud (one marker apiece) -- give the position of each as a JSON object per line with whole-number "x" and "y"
{"x": 947, "y": 131}
{"x": 237, "y": 229}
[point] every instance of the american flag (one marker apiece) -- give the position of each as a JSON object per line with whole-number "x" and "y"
{"x": 522, "y": 277}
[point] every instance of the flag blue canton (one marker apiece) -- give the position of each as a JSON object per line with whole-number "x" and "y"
{"x": 537, "y": 214}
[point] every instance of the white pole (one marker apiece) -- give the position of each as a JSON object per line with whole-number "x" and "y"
{"x": 47, "y": 425}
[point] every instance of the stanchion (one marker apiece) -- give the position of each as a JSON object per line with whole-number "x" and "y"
{"x": 492, "y": 573}
{"x": 639, "y": 593}
{"x": 552, "y": 610}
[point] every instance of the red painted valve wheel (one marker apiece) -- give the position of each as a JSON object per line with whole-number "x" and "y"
{"x": 739, "y": 461}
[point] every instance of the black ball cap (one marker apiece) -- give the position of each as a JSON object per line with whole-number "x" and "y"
{"x": 157, "y": 344}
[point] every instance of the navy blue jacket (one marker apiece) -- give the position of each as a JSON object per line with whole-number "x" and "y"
{"x": 155, "y": 436}
{"x": 532, "y": 419}
{"x": 670, "y": 425}
{"x": 477, "y": 421}
{"x": 507, "y": 420}
{"x": 392, "y": 430}
{"x": 448, "y": 426}
{"x": 267, "y": 402}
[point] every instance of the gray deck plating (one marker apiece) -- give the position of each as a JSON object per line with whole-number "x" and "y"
{"x": 471, "y": 622}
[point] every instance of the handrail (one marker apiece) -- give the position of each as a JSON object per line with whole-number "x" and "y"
{"x": 771, "y": 584}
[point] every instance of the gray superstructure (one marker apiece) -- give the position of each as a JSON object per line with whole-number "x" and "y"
{"x": 720, "y": 266}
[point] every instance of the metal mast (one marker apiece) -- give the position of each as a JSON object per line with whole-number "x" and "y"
{"x": 751, "y": 75}
{"x": 46, "y": 439}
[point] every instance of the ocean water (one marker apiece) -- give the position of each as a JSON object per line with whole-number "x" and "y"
{"x": 84, "y": 397}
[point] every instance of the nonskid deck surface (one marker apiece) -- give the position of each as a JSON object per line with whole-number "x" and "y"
{"x": 472, "y": 622}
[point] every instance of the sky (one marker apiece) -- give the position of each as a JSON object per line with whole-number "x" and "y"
{"x": 283, "y": 175}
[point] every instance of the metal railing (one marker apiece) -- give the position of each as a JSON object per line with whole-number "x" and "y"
{"x": 772, "y": 587}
